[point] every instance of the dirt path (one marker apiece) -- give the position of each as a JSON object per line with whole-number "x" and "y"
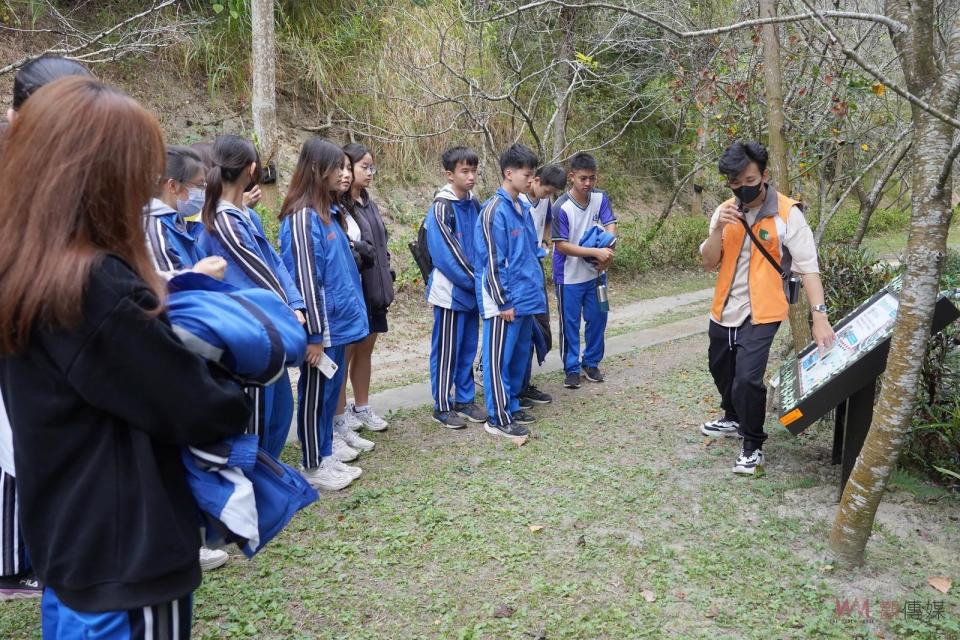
{"x": 401, "y": 360}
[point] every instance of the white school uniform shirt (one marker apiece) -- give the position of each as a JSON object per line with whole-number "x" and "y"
{"x": 540, "y": 212}
{"x": 353, "y": 229}
{"x": 570, "y": 222}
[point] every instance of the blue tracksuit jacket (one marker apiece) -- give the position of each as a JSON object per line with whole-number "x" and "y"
{"x": 452, "y": 245}
{"x": 252, "y": 262}
{"x": 172, "y": 247}
{"x": 318, "y": 256}
{"x": 509, "y": 273}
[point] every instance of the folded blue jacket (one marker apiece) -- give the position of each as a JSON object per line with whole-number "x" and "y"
{"x": 596, "y": 237}
{"x": 251, "y": 332}
{"x": 245, "y": 495}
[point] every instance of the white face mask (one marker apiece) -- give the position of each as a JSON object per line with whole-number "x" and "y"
{"x": 193, "y": 204}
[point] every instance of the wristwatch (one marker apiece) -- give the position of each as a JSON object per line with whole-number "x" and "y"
{"x": 820, "y": 308}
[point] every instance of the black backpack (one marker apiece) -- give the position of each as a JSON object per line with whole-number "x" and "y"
{"x": 418, "y": 247}
{"x": 420, "y": 252}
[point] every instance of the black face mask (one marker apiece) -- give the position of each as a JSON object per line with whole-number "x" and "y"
{"x": 748, "y": 194}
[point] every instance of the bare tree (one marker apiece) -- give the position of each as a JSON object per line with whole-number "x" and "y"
{"x": 930, "y": 63}
{"x": 870, "y": 201}
{"x": 146, "y": 31}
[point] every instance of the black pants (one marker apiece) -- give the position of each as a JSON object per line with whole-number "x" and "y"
{"x": 738, "y": 359}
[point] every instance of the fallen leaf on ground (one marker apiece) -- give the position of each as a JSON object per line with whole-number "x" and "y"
{"x": 648, "y": 595}
{"x": 940, "y": 583}
{"x": 520, "y": 441}
{"x": 535, "y": 528}
{"x": 713, "y": 612}
{"x": 707, "y": 442}
{"x": 581, "y": 541}
{"x": 503, "y": 611}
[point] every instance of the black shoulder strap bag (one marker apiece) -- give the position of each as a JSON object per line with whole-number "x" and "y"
{"x": 791, "y": 283}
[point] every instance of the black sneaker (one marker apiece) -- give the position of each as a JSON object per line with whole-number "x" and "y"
{"x": 512, "y": 430}
{"x": 721, "y": 428}
{"x": 449, "y": 419}
{"x": 20, "y": 587}
{"x": 572, "y": 381}
{"x": 535, "y": 396}
{"x": 522, "y": 417}
{"x": 749, "y": 463}
{"x": 592, "y": 374}
{"x": 471, "y": 411}
{"x": 525, "y": 403}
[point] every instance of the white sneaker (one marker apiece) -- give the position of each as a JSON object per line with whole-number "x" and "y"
{"x": 368, "y": 418}
{"x": 351, "y": 420}
{"x": 326, "y": 476}
{"x": 352, "y": 438}
{"x": 341, "y": 450}
{"x": 353, "y": 472}
{"x": 212, "y": 558}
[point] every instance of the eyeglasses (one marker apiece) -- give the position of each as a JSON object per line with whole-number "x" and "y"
{"x": 191, "y": 185}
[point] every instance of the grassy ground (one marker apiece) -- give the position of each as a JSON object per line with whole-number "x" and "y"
{"x": 616, "y": 520}
{"x": 893, "y": 243}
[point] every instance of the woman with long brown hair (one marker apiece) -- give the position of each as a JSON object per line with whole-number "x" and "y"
{"x": 89, "y": 365}
{"x": 317, "y": 254}
{"x": 17, "y": 580}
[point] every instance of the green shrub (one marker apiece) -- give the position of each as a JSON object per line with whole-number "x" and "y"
{"x": 850, "y": 276}
{"x": 676, "y": 244}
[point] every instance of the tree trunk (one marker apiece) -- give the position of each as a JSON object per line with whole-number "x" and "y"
{"x": 777, "y": 145}
{"x": 696, "y": 202}
{"x": 773, "y": 90}
{"x": 565, "y": 55}
{"x": 264, "y": 98}
{"x": 927, "y": 243}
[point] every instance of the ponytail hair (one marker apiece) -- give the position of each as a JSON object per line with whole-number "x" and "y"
{"x": 231, "y": 156}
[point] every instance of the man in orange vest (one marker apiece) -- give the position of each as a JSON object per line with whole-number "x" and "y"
{"x": 750, "y": 301}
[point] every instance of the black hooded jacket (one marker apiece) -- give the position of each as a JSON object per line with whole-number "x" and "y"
{"x": 375, "y": 273}
{"x": 99, "y": 414}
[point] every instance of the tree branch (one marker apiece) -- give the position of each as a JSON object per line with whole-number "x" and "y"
{"x": 745, "y": 24}
{"x": 72, "y": 52}
{"x": 876, "y": 73}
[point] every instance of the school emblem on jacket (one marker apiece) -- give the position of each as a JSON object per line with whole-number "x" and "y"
{"x": 332, "y": 235}
{"x": 515, "y": 232}
{"x": 764, "y": 235}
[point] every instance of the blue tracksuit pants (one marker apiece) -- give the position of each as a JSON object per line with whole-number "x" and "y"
{"x": 506, "y": 355}
{"x": 452, "y": 350}
{"x": 167, "y": 621}
{"x": 576, "y": 302}
{"x": 317, "y": 402}
{"x": 274, "y": 411}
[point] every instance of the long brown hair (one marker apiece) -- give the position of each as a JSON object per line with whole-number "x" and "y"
{"x": 319, "y": 158}
{"x": 79, "y": 165}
